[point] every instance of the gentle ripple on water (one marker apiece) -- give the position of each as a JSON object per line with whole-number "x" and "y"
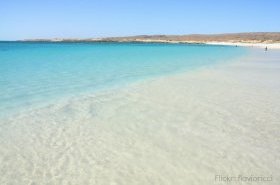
{"x": 31, "y": 73}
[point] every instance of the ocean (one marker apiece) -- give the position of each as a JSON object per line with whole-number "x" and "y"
{"x": 34, "y": 74}
{"x": 137, "y": 113}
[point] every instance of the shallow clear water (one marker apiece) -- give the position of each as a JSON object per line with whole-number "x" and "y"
{"x": 36, "y": 73}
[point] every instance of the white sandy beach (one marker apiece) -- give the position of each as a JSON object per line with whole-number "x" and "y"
{"x": 181, "y": 129}
{"x": 247, "y": 44}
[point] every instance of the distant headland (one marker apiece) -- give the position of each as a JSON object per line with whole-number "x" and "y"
{"x": 259, "y": 39}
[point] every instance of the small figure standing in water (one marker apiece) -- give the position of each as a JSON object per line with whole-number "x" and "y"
{"x": 265, "y": 49}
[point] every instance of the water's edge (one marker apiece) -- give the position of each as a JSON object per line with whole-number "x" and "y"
{"x": 117, "y": 76}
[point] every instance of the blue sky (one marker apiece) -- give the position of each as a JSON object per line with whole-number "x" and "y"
{"x": 20, "y": 19}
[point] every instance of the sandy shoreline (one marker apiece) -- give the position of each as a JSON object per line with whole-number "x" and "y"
{"x": 242, "y": 44}
{"x": 182, "y": 129}
{"x": 257, "y": 45}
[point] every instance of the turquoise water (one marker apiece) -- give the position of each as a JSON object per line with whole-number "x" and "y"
{"x": 36, "y": 73}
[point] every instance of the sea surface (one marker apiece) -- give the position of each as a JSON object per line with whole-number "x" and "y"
{"x": 35, "y": 74}
{"x": 127, "y": 113}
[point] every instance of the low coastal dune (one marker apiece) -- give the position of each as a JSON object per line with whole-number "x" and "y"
{"x": 252, "y": 39}
{"x": 180, "y": 129}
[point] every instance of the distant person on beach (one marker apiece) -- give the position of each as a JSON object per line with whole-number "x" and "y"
{"x": 265, "y": 49}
